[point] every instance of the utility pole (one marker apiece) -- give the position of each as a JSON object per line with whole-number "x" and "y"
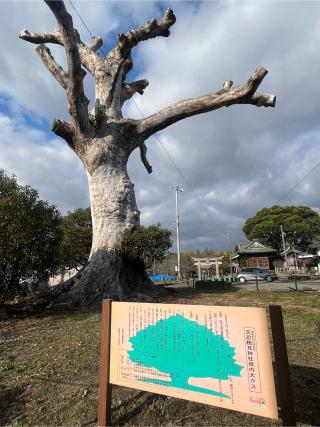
{"x": 284, "y": 247}
{"x": 177, "y": 188}
{"x": 229, "y": 244}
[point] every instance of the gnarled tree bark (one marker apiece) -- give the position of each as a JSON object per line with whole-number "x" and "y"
{"x": 104, "y": 140}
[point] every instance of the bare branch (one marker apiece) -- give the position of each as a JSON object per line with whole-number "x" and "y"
{"x": 227, "y": 84}
{"x": 55, "y": 69}
{"x": 148, "y": 31}
{"x": 39, "y": 38}
{"x": 261, "y": 100}
{"x": 143, "y": 157}
{"x": 111, "y": 73}
{"x": 96, "y": 43}
{"x": 254, "y": 81}
{"x": 75, "y": 90}
{"x": 88, "y": 56}
{"x": 244, "y": 94}
{"x": 64, "y": 130}
{"x": 130, "y": 88}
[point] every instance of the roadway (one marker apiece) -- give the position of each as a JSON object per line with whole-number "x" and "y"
{"x": 276, "y": 286}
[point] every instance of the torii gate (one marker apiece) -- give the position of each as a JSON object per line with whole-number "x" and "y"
{"x": 206, "y": 263}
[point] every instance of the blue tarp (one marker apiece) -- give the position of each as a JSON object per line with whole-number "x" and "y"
{"x": 162, "y": 277}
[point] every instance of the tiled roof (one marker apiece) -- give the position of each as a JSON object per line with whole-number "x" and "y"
{"x": 254, "y": 247}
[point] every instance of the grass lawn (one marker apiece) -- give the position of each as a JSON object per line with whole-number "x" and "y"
{"x": 49, "y": 368}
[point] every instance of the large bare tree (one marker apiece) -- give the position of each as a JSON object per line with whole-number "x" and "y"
{"x": 104, "y": 140}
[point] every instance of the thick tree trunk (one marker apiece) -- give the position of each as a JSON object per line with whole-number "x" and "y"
{"x": 109, "y": 273}
{"x": 113, "y": 205}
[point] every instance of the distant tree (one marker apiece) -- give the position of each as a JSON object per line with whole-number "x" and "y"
{"x": 187, "y": 265}
{"x": 75, "y": 246}
{"x": 159, "y": 346}
{"x": 29, "y": 236}
{"x": 165, "y": 266}
{"x": 300, "y": 224}
{"x": 225, "y": 267}
{"x": 147, "y": 244}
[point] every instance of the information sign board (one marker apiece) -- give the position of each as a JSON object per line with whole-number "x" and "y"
{"x": 217, "y": 355}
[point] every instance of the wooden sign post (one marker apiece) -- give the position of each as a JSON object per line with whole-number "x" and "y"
{"x": 219, "y": 356}
{"x": 105, "y": 388}
{"x": 282, "y": 366}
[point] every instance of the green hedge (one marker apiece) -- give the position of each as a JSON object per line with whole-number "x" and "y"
{"x": 210, "y": 285}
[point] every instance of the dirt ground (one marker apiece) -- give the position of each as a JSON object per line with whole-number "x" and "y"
{"x": 49, "y": 368}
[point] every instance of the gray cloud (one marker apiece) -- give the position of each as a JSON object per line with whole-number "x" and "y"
{"x": 46, "y": 164}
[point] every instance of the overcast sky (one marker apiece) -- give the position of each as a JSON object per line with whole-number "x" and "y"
{"x": 233, "y": 161}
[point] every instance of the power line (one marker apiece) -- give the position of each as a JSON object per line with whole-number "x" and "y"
{"x": 165, "y": 150}
{"x": 85, "y": 25}
{"x": 178, "y": 169}
{"x": 299, "y": 182}
{"x": 74, "y": 8}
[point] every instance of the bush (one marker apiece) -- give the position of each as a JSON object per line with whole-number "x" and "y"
{"x": 76, "y": 239}
{"x": 145, "y": 244}
{"x": 211, "y": 285}
{"x": 29, "y": 236}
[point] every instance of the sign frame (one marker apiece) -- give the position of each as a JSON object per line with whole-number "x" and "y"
{"x": 282, "y": 373}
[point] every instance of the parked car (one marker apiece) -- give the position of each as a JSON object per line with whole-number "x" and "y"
{"x": 250, "y": 273}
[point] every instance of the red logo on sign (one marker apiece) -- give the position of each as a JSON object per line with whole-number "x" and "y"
{"x": 259, "y": 401}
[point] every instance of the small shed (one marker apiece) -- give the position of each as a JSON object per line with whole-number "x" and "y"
{"x": 313, "y": 264}
{"x": 255, "y": 254}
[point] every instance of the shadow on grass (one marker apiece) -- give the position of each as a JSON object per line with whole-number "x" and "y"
{"x": 25, "y": 311}
{"x": 305, "y": 383}
{"x": 190, "y": 292}
{"x": 12, "y": 403}
{"x": 122, "y": 417}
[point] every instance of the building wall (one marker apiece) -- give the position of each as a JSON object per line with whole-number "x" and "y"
{"x": 258, "y": 261}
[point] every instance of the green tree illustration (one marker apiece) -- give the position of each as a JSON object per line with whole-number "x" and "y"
{"x": 183, "y": 348}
